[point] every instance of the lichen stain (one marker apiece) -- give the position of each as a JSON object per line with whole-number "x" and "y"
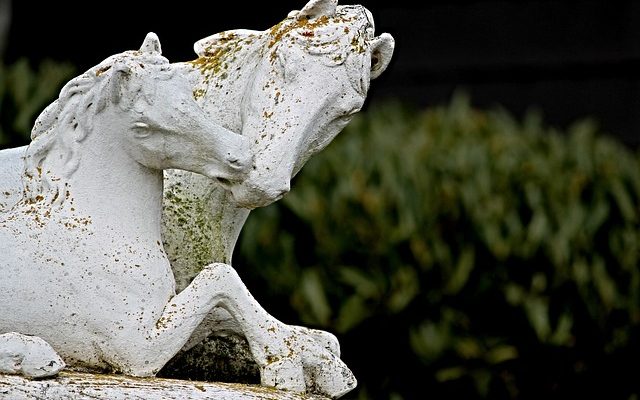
{"x": 197, "y": 232}
{"x": 217, "y": 60}
{"x": 278, "y": 31}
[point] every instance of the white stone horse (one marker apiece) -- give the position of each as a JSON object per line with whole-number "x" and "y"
{"x": 86, "y": 234}
{"x": 82, "y": 263}
{"x": 290, "y": 89}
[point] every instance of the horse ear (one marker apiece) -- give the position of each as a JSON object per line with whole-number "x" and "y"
{"x": 207, "y": 46}
{"x": 381, "y": 52}
{"x": 318, "y": 8}
{"x": 118, "y": 83}
{"x": 151, "y": 44}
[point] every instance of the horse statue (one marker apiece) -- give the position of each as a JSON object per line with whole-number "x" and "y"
{"x": 83, "y": 265}
{"x": 82, "y": 262}
{"x": 290, "y": 89}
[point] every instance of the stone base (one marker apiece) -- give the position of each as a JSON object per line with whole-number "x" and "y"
{"x": 82, "y": 386}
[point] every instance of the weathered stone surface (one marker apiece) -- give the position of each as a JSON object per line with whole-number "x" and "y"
{"x": 311, "y": 75}
{"x": 81, "y": 386}
{"x": 82, "y": 262}
{"x": 116, "y": 274}
{"x": 28, "y": 355}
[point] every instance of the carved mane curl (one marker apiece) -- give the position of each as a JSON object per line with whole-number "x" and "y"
{"x": 67, "y": 121}
{"x": 342, "y": 37}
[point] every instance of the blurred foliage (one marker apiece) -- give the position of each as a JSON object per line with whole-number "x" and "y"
{"x": 457, "y": 253}
{"x": 461, "y": 253}
{"x": 24, "y": 93}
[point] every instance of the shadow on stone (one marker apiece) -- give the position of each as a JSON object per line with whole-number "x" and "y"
{"x": 219, "y": 358}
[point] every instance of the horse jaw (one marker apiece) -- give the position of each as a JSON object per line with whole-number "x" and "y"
{"x": 259, "y": 191}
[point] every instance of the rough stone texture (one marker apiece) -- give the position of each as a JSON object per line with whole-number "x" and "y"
{"x": 80, "y": 386}
{"x": 82, "y": 261}
{"x": 28, "y": 355}
{"x": 81, "y": 222}
{"x": 310, "y": 75}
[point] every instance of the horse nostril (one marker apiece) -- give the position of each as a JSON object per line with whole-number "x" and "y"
{"x": 237, "y": 163}
{"x": 223, "y": 181}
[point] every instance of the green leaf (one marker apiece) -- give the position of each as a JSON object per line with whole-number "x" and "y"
{"x": 352, "y": 312}
{"x": 404, "y": 288}
{"x": 450, "y": 374}
{"x": 462, "y": 271}
{"x": 313, "y": 292}
{"x": 430, "y": 340}
{"x": 604, "y": 283}
{"x": 537, "y": 309}
{"x": 562, "y": 335}
{"x": 501, "y": 353}
{"x": 365, "y": 285}
{"x": 623, "y": 201}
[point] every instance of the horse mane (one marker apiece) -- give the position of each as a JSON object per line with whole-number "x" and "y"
{"x": 340, "y": 39}
{"x": 68, "y": 120}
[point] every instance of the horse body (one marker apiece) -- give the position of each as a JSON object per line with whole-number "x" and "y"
{"x": 70, "y": 252}
{"x": 85, "y": 236}
{"x": 290, "y": 89}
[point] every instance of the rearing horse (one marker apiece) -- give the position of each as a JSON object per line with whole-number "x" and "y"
{"x": 290, "y": 89}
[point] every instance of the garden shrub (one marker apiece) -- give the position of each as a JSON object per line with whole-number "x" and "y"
{"x": 24, "y": 93}
{"x": 461, "y": 253}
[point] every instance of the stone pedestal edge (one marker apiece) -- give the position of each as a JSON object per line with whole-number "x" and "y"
{"x": 83, "y": 386}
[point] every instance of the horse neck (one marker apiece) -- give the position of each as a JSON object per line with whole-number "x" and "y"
{"x": 222, "y": 101}
{"x": 222, "y": 97}
{"x": 118, "y": 193}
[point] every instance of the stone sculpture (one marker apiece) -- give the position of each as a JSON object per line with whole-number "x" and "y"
{"x": 83, "y": 218}
{"x": 300, "y": 84}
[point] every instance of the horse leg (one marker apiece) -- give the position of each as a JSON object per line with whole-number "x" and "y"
{"x": 219, "y": 320}
{"x": 287, "y": 359}
{"x": 28, "y": 355}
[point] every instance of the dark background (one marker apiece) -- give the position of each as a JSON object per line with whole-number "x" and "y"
{"x": 570, "y": 59}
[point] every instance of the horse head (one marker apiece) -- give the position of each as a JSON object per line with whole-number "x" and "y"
{"x": 141, "y": 104}
{"x": 311, "y": 75}
{"x": 167, "y": 128}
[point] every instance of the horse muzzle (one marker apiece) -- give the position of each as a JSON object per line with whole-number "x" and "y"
{"x": 249, "y": 194}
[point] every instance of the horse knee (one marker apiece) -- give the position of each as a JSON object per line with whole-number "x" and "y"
{"x": 224, "y": 273}
{"x": 30, "y": 356}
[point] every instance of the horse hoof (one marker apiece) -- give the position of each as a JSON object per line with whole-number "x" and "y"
{"x": 333, "y": 378}
{"x": 328, "y": 340}
{"x": 283, "y": 374}
{"x": 28, "y": 355}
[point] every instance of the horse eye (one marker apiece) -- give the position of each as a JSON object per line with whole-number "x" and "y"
{"x": 140, "y": 125}
{"x": 351, "y": 113}
{"x": 141, "y": 130}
